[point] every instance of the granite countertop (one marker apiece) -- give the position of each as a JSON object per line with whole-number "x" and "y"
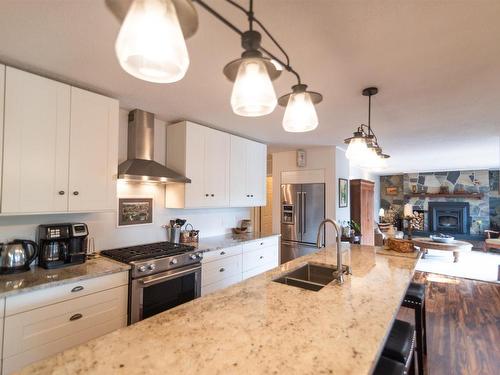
{"x": 259, "y": 327}
{"x": 229, "y": 239}
{"x": 38, "y": 277}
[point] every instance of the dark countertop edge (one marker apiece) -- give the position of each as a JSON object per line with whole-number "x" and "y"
{"x": 120, "y": 267}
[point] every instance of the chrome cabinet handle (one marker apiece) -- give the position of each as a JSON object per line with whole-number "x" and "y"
{"x": 262, "y": 257}
{"x": 222, "y": 269}
{"x": 77, "y": 289}
{"x": 76, "y": 317}
{"x": 213, "y": 195}
{"x": 262, "y": 243}
{"x": 222, "y": 253}
{"x": 61, "y": 192}
{"x": 206, "y": 195}
{"x": 76, "y": 193}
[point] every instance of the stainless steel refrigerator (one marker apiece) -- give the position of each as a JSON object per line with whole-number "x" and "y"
{"x": 302, "y": 210}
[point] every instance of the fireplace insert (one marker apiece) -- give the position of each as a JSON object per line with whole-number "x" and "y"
{"x": 449, "y": 217}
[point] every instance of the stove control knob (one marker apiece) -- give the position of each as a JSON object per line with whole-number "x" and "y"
{"x": 151, "y": 267}
{"x": 173, "y": 261}
{"x": 193, "y": 256}
{"x": 142, "y": 269}
{"x": 199, "y": 255}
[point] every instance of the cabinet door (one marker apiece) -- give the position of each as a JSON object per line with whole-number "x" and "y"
{"x": 195, "y": 165}
{"x": 36, "y": 147}
{"x": 256, "y": 173}
{"x": 2, "y": 101}
{"x": 216, "y": 160}
{"x": 238, "y": 193}
{"x": 93, "y": 157}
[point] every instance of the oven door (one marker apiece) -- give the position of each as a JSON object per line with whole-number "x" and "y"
{"x": 153, "y": 294}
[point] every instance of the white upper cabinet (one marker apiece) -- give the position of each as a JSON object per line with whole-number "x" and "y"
{"x": 201, "y": 154}
{"x": 248, "y": 173}
{"x": 93, "y": 153}
{"x": 36, "y": 147}
{"x": 59, "y": 147}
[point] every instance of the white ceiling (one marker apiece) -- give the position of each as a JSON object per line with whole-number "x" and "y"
{"x": 436, "y": 63}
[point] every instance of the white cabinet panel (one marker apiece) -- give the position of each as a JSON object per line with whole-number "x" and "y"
{"x": 36, "y": 147}
{"x": 260, "y": 257}
{"x": 32, "y": 300}
{"x": 211, "y": 256}
{"x": 220, "y": 269}
{"x": 220, "y": 284}
{"x": 247, "y": 173}
{"x": 93, "y": 151}
{"x": 201, "y": 154}
{"x": 263, "y": 242}
{"x": 258, "y": 270}
{"x": 216, "y": 159}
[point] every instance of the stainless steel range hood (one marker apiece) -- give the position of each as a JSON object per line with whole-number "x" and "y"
{"x": 140, "y": 165}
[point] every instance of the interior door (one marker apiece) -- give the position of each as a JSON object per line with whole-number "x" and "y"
{"x": 313, "y": 210}
{"x": 217, "y": 150}
{"x": 36, "y": 144}
{"x": 291, "y": 197}
{"x": 93, "y": 151}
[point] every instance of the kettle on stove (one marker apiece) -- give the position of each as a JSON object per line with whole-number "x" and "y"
{"x": 16, "y": 256}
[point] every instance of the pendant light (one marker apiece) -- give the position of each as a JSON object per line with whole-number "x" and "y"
{"x": 300, "y": 114}
{"x": 253, "y": 92}
{"x": 150, "y": 45}
{"x": 363, "y": 149}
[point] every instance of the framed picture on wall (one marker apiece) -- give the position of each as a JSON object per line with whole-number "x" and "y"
{"x": 135, "y": 211}
{"x": 343, "y": 192}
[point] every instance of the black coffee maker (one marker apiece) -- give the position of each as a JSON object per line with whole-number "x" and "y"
{"x": 61, "y": 245}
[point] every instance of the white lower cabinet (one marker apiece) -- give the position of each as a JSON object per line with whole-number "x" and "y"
{"x": 225, "y": 267}
{"x": 32, "y": 333}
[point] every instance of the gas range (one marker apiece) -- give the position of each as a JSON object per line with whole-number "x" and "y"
{"x": 154, "y": 258}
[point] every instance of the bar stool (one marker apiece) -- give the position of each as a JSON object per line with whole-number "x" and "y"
{"x": 400, "y": 345}
{"x": 415, "y": 299}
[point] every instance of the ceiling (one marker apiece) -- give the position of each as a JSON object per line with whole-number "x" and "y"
{"x": 436, "y": 64}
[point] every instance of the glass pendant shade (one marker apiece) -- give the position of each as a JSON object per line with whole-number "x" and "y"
{"x": 371, "y": 159}
{"x": 253, "y": 92}
{"x": 150, "y": 45}
{"x": 356, "y": 151}
{"x": 300, "y": 114}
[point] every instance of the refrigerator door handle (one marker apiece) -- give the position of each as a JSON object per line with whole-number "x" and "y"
{"x": 304, "y": 219}
{"x": 299, "y": 213}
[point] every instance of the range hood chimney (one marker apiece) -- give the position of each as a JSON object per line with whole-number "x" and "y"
{"x": 140, "y": 165}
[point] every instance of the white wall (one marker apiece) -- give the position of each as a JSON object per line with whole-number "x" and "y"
{"x": 319, "y": 158}
{"x": 102, "y": 226}
{"x": 341, "y": 171}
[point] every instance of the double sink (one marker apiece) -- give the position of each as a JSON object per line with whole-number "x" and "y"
{"x": 310, "y": 276}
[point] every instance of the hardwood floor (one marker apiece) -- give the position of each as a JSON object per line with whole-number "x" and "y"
{"x": 463, "y": 325}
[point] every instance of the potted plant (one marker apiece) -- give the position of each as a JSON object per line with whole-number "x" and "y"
{"x": 355, "y": 232}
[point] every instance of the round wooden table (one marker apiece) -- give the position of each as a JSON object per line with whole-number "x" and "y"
{"x": 425, "y": 243}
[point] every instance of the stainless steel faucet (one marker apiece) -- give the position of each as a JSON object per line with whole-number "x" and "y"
{"x": 340, "y": 266}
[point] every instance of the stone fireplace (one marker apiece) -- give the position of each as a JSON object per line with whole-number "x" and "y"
{"x": 449, "y": 217}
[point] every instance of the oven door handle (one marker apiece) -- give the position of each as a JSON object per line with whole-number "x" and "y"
{"x": 157, "y": 278}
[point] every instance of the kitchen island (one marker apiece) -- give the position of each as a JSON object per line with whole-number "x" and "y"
{"x": 260, "y": 327}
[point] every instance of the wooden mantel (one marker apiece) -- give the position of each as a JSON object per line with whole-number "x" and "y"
{"x": 437, "y": 195}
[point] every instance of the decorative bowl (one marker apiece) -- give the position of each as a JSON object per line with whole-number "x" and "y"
{"x": 442, "y": 238}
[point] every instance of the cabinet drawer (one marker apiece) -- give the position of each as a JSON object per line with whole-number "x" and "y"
{"x": 263, "y": 242}
{"x": 18, "y": 361}
{"x": 260, "y": 269}
{"x": 35, "y": 329}
{"x": 221, "y": 284}
{"x": 257, "y": 258}
{"x": 210, "y": 256}
{"x": 32, "y": 300}
{"x": 220, "y": 269}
